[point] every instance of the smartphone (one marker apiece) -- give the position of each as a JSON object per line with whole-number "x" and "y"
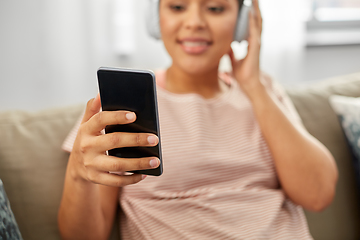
{"x": 132, "y": 90}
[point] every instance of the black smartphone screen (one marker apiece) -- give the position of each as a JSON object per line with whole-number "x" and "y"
{"x": 132, "y": 90}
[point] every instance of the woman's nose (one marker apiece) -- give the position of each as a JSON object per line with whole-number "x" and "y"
{"x": 194, "y": 19}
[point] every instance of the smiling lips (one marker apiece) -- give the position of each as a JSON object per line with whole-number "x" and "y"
{"x": 194, "y": 46}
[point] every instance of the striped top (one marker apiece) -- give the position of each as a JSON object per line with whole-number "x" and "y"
{"x": 219, "y": 179}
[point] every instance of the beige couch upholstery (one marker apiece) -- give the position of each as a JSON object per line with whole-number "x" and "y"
{"x": 32, "y": 165}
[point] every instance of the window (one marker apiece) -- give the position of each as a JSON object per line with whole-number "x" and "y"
{"x": 334, "y": 22}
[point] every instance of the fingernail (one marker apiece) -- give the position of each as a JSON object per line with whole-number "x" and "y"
{"x": 151, "y": 139}
{"x": 154, "y": 162}
{"x": 143, "y": 177}
{"x": 94, "y": 102}
{"x": 97, "y": 96}
{"x": 130, "y": 116}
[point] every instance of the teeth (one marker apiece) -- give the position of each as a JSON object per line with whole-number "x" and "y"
{"x": 194, "y": 44}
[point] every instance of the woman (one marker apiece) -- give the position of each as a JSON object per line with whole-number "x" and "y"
{"x": 238, "y": 164}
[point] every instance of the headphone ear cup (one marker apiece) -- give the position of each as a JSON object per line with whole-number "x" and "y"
{"x": 242, "y": 26}
{"x": 152, "y": 19}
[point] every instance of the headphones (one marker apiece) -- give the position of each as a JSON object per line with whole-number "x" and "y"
{"x": 241, "y": 29}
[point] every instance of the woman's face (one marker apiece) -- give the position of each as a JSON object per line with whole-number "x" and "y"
{"x": 197, "y": 33}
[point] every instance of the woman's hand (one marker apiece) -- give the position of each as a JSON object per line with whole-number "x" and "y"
{"x": 247, "y": 70}
{"x": 89, "y": 160}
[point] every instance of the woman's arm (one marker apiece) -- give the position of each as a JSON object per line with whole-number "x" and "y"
{"x": 90, "y": 195}
{"x": 306, "y": 169}
{"x": 87, "y": 210}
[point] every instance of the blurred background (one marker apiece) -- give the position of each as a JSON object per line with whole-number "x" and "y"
{"x": 50, "y": 50}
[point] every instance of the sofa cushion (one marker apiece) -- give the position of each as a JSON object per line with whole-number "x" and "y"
{"x": 32, "y": 166}
{"x": 342, "y": 219}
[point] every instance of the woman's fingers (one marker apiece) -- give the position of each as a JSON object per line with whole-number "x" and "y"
{"x": 102, "y": 119}
{"x": 254, "y": 39}
{"x": 91, "y": 146}
{"x": 258, "y": 15}
{"x": 113, "y": 140}
{"x": 92, "y": 107}
{"x": 232, "y": 57}
{"x": 234, "y": 62}
{"x": 114, "y": 180}
{"x": 255, "y": 22}
{"x": 255, "y": 32}
{"x": 255, "y": 28}
{"x": 114, "y": 164}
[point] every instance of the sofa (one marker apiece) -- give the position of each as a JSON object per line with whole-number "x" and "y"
{"x": 32, "y": 164}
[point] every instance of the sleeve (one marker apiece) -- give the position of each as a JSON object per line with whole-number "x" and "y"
{"x": 277, "y": 91}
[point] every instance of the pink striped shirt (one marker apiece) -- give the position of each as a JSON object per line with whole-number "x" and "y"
{"x": 219, "y": 179}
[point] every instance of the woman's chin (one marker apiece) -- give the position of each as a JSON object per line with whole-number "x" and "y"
{"x": 198, "y": 67}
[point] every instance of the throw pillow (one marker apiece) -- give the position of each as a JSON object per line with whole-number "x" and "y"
{"x": 8, "y": 226}
{"x": 348, "y": 112}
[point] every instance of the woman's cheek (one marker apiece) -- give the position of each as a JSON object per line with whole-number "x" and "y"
{"x": 225, "y": 28}
{"x": 225, "y": 39}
